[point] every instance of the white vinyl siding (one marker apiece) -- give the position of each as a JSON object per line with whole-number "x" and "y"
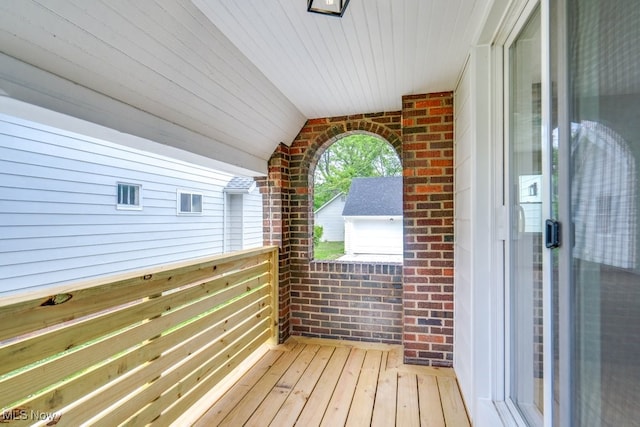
{"x": 252, "y": 220}
{"x": 330, "y": 218}
{"x": 463, "y": 247}
{"x": 58, "y": 220}
{"x": 234, "y": 222}
{"x": 373, "y": 235}
{"x": 475, "y": 243}
{"x": 244, "y": 221}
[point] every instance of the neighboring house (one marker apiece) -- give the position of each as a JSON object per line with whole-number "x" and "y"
{"x": 74, "y": 207}
{"x": 373, "y": 216}
{"x": 243, "y": 214}
{"x": 329, "y": 217}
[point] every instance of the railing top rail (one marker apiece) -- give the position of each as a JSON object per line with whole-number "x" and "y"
{"x": 23, "y": 295}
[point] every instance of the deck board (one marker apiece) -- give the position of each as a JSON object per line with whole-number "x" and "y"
{"x": 295, "y": 402}
{"x": 408, "y": 412}
{"x": 430, "y": 405}
{"x": 365, "y": 394}
{"x": 314, "y": 410}
{"x": 338, "y": 409}
{"x": 384, "y": 408}
{"x": 274, "y": 399}
{"x": 311, "y": 382}
{"x": 452, "y": 404}
{"x": 241, "y": 412}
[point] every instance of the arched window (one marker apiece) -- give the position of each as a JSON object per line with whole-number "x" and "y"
{"x": 357, "y": 200}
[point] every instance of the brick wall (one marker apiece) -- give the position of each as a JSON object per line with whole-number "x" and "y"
{"x": 353, "y": 301}
{"x": 410, "y": 303}
{"x": 427, "y": 144}
{"x": 342, "y": 300}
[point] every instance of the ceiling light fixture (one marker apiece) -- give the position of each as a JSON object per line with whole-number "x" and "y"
{"x": 327, "y": 7}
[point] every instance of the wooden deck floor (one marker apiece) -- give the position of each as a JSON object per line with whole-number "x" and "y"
{"x": 309, "y": 382}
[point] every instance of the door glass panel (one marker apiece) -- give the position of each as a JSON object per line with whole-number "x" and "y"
{"x": 604, "y": 67}
{"x": 526, "y": 197}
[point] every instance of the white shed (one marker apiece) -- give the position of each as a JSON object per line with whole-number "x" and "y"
{"x": 329, "y": 217}
{"x": 373, "y": 216}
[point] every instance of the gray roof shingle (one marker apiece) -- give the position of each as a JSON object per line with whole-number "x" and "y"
{"x": 240, "y": 184}
{"x": 374, "y": 197}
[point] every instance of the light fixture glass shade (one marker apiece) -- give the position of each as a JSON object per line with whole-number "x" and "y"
{"x": 327, "y": 7}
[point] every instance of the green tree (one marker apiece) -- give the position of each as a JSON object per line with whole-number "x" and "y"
{"x": 350, "y": 157}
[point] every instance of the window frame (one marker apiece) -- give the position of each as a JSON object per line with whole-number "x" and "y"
{"x": 180, "y": 212}
{"x": 127, "y": 206}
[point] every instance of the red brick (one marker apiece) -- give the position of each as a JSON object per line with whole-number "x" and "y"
{"x": 442, "y": 162}
{"x": 439, "y": 339}
{"x": 441, "y": 128}
{"x": 440, "y": 111}
{"x": 428, "y": 188}
{"x": 429, "y": 103}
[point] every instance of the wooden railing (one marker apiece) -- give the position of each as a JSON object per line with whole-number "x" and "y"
{"x": 136, "y": 350}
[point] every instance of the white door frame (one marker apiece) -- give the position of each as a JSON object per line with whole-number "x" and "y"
{"x": 513, "y": 21}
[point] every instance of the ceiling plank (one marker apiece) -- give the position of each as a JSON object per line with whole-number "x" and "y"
{"x": 235, "y": 78}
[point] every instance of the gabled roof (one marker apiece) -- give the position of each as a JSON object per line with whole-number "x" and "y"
{"x": 340, "y": 194}
{"x": 240, "y": 184}
{"x": 374, "y": 197}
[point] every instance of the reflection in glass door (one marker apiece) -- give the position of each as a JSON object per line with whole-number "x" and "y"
{"x": 526, "y": 194}
{"x": 604, "y": 140}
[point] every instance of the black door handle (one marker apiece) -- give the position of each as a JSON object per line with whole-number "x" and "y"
{"x": 552, "y": 234}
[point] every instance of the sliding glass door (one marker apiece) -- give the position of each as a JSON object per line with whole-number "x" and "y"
{"x": 573, "y": 313}
{"x": 526, "y": 193}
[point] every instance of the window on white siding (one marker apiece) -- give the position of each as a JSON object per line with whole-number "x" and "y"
{"x": 129, "y": 196}
{"x": 189, "y": 203}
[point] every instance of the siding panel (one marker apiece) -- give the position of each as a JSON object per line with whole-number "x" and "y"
{"x": 252, "y": 220}
{"x": 330, "y": 218}
{"x": 234, "y": 221}
{"x": 58, "y": 216}
{"x": 463, "y": 275}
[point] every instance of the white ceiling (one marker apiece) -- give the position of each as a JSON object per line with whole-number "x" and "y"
{"x": 364, "y": 62}
{"x": 229, "y": 79}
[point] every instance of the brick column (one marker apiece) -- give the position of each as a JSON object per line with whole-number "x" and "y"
{"x": 276, "y": 191}
{"x": 427, "y": 147}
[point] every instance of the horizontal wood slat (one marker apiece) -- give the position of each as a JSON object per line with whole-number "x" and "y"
{"x": 34, "y": 379}
{"x": 238, "y": 341}
{"x": 151, "y": 353}
{"x": 119, "y": 366}
{"x": 36, "y": 310}
{"x": 72, "y": 335}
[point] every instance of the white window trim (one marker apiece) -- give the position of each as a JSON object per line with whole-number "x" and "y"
{"x": 126, "y": 207}
{"x": 179, "y": 194}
